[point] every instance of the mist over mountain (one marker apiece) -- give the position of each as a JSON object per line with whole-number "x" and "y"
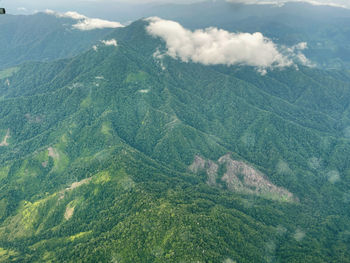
{"x": 323, "y": 28}
{"x": 164, "y": 141}
{"x": 43, "y": 37}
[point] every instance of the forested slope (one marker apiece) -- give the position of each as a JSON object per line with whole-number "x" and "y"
{"x": 115, "y": 156}
{"x": 42, "y": 37}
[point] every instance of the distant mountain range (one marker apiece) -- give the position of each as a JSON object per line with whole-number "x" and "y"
{"x": 324, "y": 28}
{"x": 42, "y": 37}
{"x": 119, "y": 155}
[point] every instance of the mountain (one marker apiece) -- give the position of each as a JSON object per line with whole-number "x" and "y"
{"x": 42, "y": 37}
{"x": 324, "y": 28}
{"x": 46, "y": 37}
{"x": 115, "y": 156}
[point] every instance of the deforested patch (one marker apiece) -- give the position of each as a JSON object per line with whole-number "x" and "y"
{"x": 69, "y": 212}
{"x": 5, "y": 139}
{"x": 241, "y": 177}
{"x": 53, "y": 153}
{"x": 78, "y": 184}
{"x": 74, "y": 186}
{"x": 212, "y": 172}
{"x": 198, "y": 164}
{"x": 211, "y": 168}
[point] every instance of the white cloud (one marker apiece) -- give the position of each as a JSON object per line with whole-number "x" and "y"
{"x": 69, "y": 14}
{"x": 85, "y": 23}
{"x": 214, "y": 46}
{"x": 295, "y": 52}
{"x": 158, "y": 56}
{"x": 95, "y": 23}
{"x": 111, "y": 42}
{"x": 300, "y": 46}
{"x": 333, "y": 3}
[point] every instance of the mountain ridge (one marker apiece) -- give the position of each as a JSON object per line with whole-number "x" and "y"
{"x": 120, "y": 132}
{"x": 38, "y": 37}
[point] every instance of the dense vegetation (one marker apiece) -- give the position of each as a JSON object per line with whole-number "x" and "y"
{"x": 95, "y": 155}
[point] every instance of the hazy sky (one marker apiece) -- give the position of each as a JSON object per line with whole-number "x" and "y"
{"x": 120, "y": 10}
{"x": 67, "y": 4}
{"x": 106, "y": 8}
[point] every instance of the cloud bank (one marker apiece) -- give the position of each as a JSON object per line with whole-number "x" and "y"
{"x": 85, "y": 23}
{"x": 214, "y": 46}
{"x": 283, "y": 2}
{"x": 111, "y": 42}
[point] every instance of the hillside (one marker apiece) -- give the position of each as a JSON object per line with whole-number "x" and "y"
{"x": 42, "y": 37}
{"x": 115, "y": 156}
